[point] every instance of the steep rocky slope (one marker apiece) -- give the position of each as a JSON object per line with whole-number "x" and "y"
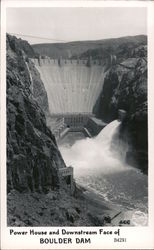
{"x": 33, "y": 158}
{"x": 125, "y": 87}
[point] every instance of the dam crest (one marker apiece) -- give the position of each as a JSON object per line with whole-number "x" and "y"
{"x": 61, "y": 62}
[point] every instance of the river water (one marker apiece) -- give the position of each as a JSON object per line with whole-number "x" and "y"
{"x": 99, "y": 165}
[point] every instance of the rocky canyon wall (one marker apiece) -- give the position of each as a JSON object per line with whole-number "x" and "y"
{"x": 33, "y": 158}
{"x": 125, "y": 87}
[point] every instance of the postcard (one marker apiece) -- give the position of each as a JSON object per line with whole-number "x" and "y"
{"x": 77, "y": 125}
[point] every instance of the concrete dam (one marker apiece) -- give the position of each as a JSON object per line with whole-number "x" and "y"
{"x": 73, "y": 87}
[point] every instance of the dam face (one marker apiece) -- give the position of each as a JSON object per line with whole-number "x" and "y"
{"x": 73, "y": 87}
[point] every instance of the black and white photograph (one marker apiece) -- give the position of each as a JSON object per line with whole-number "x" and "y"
{"x": 77, "y": 119}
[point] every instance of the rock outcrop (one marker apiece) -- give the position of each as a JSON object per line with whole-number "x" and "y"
{"x": 33, "y": 158}
{"x": 125, "y": 87}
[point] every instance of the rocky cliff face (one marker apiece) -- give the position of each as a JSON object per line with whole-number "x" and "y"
{"x": 125, "y": 87}
{"x": 33, "y": 158}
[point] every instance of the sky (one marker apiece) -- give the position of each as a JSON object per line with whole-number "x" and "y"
{"x": 75, "y": 24}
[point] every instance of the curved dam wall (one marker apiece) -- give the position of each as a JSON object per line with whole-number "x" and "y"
{"x": 73, "y": 86}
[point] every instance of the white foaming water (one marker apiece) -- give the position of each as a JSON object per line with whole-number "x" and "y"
{"x": 91, "y": 155}
{"x": 99, "y": 165}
